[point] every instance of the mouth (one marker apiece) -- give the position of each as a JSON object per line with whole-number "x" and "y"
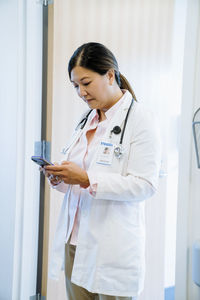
{"x": 88, "y": 100}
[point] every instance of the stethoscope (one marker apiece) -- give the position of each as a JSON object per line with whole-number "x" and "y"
{"x": 118, "y": 150}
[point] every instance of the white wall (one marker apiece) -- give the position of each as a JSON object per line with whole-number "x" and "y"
{"x": 194, "y": 196}
{"x": 173, "y": 111}
{"x": 188, "y": 226}
{"x": 20, "y": 111}
{"x": 8, "y": 116}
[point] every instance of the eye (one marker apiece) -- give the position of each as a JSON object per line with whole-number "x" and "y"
{"x": 75, "y": 86}
{"x": 86, "y": 83}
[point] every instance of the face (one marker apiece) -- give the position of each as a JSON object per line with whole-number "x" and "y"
{"x": 93, "y": 88}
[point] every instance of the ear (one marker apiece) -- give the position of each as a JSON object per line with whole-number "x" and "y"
{"x": 111, "y": 76}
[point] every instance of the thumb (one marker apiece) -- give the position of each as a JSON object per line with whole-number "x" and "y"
{"x": 64, "y": 162}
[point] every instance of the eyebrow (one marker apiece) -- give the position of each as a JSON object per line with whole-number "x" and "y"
{"x": 82, "y": 78}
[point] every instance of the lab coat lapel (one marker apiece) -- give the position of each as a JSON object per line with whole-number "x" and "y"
{"x": 118, "y": 120}
{"x": 71, "y": 143}
{"x": 77, "y": 134}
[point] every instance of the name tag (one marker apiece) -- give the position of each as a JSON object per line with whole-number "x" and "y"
{"x": 105, "y": 153}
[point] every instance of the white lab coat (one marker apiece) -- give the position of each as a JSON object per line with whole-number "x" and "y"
{"x": 110, "y": 253}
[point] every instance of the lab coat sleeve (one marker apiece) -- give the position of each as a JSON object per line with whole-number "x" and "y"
{"x": 61, "y": 187}
{"x": 139, "y": 180}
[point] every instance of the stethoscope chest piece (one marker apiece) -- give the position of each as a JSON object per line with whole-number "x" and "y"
{"x": 118, "y": 151}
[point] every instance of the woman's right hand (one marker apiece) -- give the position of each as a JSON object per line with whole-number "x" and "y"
{"x": 54, "y": 180}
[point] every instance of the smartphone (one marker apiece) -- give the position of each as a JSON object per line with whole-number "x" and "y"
{"x": 40, "y": 161}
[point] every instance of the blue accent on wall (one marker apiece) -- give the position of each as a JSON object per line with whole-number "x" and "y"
{"x": 169, "y": 293}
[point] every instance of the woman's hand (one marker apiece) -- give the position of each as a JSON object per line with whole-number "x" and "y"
{"x": 70, "y": 173}
{"x": 54, "y": 180}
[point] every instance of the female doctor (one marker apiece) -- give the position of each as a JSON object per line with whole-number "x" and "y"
{"x": 111, "y": 166}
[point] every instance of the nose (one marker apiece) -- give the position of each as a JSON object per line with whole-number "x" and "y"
{"x": 82, "y": 91}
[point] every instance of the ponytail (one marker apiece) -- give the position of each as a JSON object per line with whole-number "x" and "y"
{"x": 126, "y": 85}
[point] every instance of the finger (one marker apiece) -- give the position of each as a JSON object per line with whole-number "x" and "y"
{"x": 65, "y": 162}
{"x": 56, "y": 173}
{"x": 55, "y": 179}
{"x": 53, "y": 182}
{"x": 53, "y": 168}
{"x": 51, "y": 177}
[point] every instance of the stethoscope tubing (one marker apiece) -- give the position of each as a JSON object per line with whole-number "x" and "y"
{"x": 84, "y": 121}
{"x": 125, "y": 122}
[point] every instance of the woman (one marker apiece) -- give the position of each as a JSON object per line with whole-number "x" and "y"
{"x": 111, "y": 167}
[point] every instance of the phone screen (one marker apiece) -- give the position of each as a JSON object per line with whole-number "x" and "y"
{"x": 40, "y": 161}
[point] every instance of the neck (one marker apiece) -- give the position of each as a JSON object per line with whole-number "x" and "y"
{"x": 115, "y": 98}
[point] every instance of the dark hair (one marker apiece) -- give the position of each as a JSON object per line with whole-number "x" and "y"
{"x": 98, "y": 58}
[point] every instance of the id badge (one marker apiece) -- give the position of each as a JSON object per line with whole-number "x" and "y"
{"x": 105, "y": 153}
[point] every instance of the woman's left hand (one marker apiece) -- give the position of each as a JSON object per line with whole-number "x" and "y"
{"x": 70, "y": 173}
